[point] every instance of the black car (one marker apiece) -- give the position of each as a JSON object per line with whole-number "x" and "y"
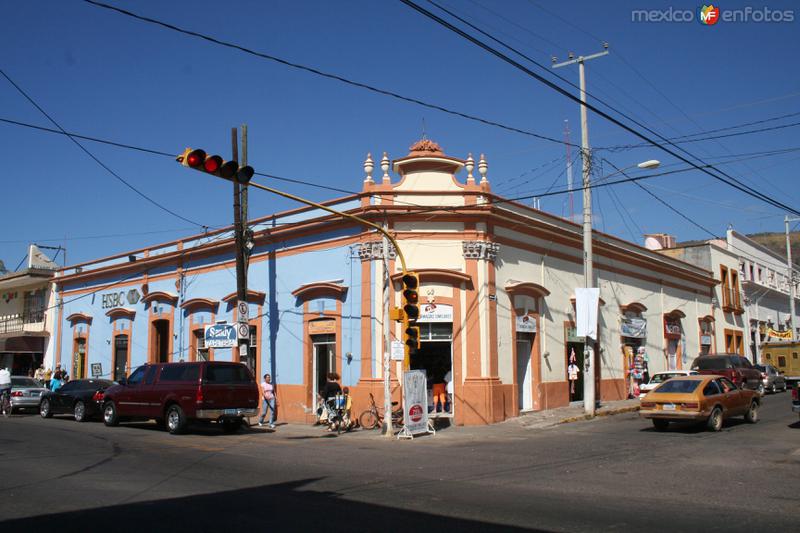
{"x": 82, "y": 398}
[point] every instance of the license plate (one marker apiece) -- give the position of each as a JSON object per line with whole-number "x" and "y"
{"x": 668, "y": 407}
{"x": 230, "y": 412}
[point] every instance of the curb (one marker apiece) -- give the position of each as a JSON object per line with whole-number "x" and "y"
{"x": 609, "y": 412}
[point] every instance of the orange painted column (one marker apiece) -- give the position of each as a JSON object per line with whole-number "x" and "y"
{"x": 366, "y": 319}
{"x": 473, "y": 326}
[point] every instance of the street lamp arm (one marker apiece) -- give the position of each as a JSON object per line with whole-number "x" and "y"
{"x": 335, "y": 212}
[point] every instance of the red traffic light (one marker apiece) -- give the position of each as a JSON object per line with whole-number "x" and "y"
{"x": 195, "y": 158}
{"x": 212, "y": 164}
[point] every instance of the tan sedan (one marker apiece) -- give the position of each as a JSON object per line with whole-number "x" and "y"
{"x": 707, "y": 398}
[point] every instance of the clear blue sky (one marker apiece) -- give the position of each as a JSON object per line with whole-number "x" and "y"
{"x": 101, "y": 74}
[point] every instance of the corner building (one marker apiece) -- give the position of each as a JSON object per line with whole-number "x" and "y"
{"x": 497, "y": 283}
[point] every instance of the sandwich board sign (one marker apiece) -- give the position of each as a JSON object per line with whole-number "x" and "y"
{"x": 415, "y": 405}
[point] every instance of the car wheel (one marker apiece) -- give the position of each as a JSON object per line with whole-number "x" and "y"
{"x": 79, "y": 411}
{"x": 110, "y": 416}
{"x": 751, "y": 416}
{"x": 231, "y": 426}
{"x": 761, "y": 389}
{"x": 715, "y": 420}
{"x": 44, "y": 409}
{"x": 176, "y": 420}
{"x": 660, "y": 425}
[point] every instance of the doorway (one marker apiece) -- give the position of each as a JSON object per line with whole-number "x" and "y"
{"x": 672, "y": 354}
{"x": 575, "y": 379}
{"x": 160, "y": 346}
{"x": 120, "y": 356}
{"x": 324, "y": 350}
{"x": 79, "y": 358}
{"x": 435, "y": 357}
{"x": 524, "y": 371}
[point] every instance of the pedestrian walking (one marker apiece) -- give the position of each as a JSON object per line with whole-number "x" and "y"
{"x": 268, "y": 401}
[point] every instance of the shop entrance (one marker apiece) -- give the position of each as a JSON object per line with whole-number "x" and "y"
{"x": 160, "y": 346}
{"x": 575, "y": 379}
{"x": 324, "y": 350}
{"x": 79, "y": 358}
{"x": 524, "y": 371}
{"x": 120, "y": 356}
{"x": 435, "y": 357}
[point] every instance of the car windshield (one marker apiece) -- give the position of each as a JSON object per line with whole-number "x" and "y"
{"x": 761, "y": 368}
{"x": 679, "y": 386}
{"x": 25, "y": 382}
{"x": 661, "y": 378}
{"x": 710, "y": 363}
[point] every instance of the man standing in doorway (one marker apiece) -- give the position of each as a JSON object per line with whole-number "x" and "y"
{"x": 268, "y": 396}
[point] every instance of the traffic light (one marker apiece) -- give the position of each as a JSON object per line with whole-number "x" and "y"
{"x": 411, "y": 296}
{"x": 197, "y": 159}
{"x": 410, "y": 311}
{"x": 411, "y": 336}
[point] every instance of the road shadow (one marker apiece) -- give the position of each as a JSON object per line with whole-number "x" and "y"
{"x": 279, "y": 507}
{"x": 795, "y": 425}
{"x": 691, "y": 428}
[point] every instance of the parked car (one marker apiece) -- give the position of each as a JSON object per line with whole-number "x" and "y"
{"x": 772, "y": 379}
{"x": 25, "y": 393}
{"x": 660, "y": 377}
{"x": 180, "y": 393}
{"x": 702, "y": 398}
{"x": 734, "y": 367}
{"x": 83, "y": 398}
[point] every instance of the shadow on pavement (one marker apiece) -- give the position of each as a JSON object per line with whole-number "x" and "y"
{"x": 280, "y": 507}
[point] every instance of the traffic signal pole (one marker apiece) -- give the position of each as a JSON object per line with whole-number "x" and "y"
{"x": 238, "y": 230}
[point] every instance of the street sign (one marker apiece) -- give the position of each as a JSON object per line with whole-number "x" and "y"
{"x": 220, "y": 336}
{"x": 243, "y": 311}
{"x": 398, "y": 351}
{"x": 97, "y": 370}
{"x": 243, "y": 331}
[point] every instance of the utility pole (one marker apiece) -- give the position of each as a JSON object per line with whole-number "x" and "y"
{"x": 790, "y": 273}
{"x": 589, "y": 371}
{"x": 387, "y": 342}
{"x": 241, "y": 282}
{"x": 244, "y": 187}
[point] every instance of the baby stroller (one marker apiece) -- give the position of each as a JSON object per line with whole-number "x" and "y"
{"x": 338, "y": 413}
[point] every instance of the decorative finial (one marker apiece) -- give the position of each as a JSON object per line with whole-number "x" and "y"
{"x": 385, "y": 167}
{"x": 470, "y": 165}
{"x": 368, "y": 167}
{"x": 483, "y": 168}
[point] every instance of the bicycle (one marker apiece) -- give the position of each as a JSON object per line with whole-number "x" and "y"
{"x": 5, "y": 403}
{"x": 373, "y": 417}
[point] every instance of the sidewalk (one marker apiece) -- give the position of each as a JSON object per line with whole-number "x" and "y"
{"x": 563, "y": 415}
{"x": 531, "y": 420}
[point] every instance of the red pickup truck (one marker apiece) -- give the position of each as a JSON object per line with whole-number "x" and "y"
{"x": 734, "y": 367}
{"x": 179, "y": 393}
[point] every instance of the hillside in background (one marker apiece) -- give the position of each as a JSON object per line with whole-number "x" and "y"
{"x": 777, "y": 243}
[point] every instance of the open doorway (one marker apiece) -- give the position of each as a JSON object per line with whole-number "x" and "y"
{"x": 324, "y": 353}
{"x": 160, "y": 341}
{"x": 435, "y": 357}
{"x": 575, "y": 370}
{"x": 524, "y": 370}
{"x": 120, "y": 356}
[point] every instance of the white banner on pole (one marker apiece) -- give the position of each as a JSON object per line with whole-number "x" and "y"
{"x": 586, "y": 304}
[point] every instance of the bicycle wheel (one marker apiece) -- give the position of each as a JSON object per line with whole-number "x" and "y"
{"x": 368, "y": 420}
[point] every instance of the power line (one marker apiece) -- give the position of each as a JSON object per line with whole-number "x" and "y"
{"x": 324, "y": 74}
{"x": 730, "y": 180}
{"x": 96, "y": 160}
{"x": 750, "y": 155}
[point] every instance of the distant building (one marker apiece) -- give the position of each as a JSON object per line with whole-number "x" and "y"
{"x": 751, "y": 301}
{"x": 497, "y": 288}
{"x": 27, "y": 311}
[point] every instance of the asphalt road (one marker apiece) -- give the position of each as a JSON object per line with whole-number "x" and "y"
{"x": 613, "y": 473}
